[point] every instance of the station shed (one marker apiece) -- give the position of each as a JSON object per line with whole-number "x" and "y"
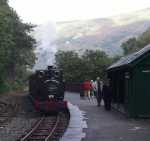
{"x": 130, "y": 83}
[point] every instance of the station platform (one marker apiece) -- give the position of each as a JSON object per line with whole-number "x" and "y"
{"x": 104, "y": 125}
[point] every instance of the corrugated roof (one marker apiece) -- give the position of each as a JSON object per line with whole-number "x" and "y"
{"x": 130, "y": 58}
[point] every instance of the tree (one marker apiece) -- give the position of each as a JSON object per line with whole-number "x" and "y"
{"x": 71, "y": 64}
{"x": 87, "y": 66}
{"x": 97, "y": 62}
{"x": 144, "y": 39}
{"x": 16, "y": 47}
{"x": 129, "y": 46}
{"x": 135, "y": 44}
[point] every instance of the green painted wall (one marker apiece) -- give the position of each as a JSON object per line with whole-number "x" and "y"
{"x": 129, "y": 95}
{"x": 140, "y": 105}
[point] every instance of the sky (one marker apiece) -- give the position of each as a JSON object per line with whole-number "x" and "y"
{"x": 44, "y": 11}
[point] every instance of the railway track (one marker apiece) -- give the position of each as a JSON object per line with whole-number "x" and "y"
{"x": 2, "y": 107}
{"x": 47, "y": 128}
{"x": 7, "y": 111}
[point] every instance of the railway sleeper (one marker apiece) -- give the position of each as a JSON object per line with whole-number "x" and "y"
{"x": 37, "y": 137}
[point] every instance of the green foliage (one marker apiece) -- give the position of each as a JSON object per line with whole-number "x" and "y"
{"x": 78, "y": 68}
{"x": 135, "y": 44}
{"x": 129, "y": 46}
{"x": 16, "y": 48}
{"x": 3, "y": 2}
{"x": 69, "y": 62}
{"x": 144, "y": 39}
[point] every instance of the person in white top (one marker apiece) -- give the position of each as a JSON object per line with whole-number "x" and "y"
{"x": 93, "y": 88}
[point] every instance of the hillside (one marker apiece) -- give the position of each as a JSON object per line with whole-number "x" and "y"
{"x": 105, "y": 34}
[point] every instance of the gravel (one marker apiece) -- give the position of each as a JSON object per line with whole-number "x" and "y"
{"x": 21, "y": 121}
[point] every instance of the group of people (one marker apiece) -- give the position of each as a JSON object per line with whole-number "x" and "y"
{"x": 99, "y": 89}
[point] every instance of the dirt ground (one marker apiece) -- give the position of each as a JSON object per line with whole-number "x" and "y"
{"x": 17, "y": 115}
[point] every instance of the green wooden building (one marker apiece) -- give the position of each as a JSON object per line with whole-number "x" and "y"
{"x": 130, "y": 83}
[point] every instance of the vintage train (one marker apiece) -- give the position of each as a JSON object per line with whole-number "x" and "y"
{"x": 46, "y": 90}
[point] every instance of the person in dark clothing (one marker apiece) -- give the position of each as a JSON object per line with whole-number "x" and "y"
{"x": 99, "y": 88}
{"x": 107, "y": 96}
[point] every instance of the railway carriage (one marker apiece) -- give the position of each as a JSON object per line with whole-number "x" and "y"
{"x": 46, "y": 90}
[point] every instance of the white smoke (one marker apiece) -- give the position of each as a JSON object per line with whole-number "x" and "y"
{"x": 45, "y": 36}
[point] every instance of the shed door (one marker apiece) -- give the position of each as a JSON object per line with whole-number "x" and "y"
{"x": 142, "y": 91}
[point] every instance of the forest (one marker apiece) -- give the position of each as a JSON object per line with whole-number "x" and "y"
{"x": 16, "y": 49}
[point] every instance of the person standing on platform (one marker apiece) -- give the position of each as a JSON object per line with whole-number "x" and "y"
{"x": 99, "y": 88}
{"x": 87, "y": 86}
{"x": 93, "y": 90}
{"x": 107, "y": 96}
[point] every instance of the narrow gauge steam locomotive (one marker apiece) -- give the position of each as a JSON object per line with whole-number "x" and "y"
{"x": 46, "y": 89}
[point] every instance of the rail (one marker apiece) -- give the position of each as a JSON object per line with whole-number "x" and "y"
{"x": 48, "y": 124}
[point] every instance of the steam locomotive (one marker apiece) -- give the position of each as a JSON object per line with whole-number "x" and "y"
{"x": 46, "y": 90}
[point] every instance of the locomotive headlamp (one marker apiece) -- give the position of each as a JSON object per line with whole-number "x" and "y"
{"x": 50, "y": 96}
